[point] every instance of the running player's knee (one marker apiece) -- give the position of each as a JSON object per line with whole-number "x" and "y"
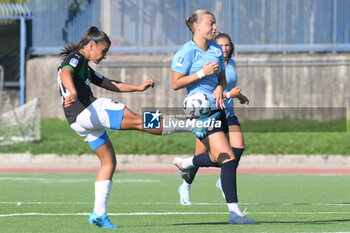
{"x": 138, "y": 122}
{"x": 109, "y": 165}
{"x": 237, "y": 144}
{"x": 225, "y": 157}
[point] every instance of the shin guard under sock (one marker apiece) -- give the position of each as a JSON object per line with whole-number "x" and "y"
{"x": 228, "y": 181}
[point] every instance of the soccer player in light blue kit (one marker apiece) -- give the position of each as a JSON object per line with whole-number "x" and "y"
{"x": 200, "y": 67}
{"x": 235, "y": 132}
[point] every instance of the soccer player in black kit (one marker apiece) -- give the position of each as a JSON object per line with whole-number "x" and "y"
{"x": 89, "y": 116}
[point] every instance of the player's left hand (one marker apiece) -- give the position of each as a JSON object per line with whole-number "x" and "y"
{"x": 243, "y": 99}
{"x": 145, "y": 85}
{"x": 217, "y": 94}
{"x": 234, "y": 92}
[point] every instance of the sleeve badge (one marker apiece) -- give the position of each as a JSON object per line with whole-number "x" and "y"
{"x": 73, "y": 62}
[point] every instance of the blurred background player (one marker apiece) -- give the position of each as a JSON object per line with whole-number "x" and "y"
{"x": 199, "y": 66}
{"x": 89, "y": 116}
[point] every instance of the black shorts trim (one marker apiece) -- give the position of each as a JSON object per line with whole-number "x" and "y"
{"x": 233, "y": 121}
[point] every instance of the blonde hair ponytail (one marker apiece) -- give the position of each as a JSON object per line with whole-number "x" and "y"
{"x": 195, "y": 17}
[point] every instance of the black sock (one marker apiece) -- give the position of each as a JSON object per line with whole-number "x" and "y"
{"x": 192, "y": 172}
{"x": 203, "y": 160}
{"x": 228, "y": 180}
{"x": 238, "y": 153}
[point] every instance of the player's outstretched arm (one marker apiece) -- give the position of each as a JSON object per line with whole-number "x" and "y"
{"x": 236, "y": 93}
{"x": 118, "y": 86}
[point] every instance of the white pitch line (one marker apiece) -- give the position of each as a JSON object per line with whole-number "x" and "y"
{"x": 302, "y": 213}
{"x": 306, "y": 174}
{"x": 110, "y": 214}
{"x": 167, "y": 213}
{"x": 54, "y": 180}
{"x": 44, "y": 180}
{"x": 171, "y": 203}
{"x": 136, "y": 181}
{"x": 45, "y": 203}
{"x": 298, "y": 204}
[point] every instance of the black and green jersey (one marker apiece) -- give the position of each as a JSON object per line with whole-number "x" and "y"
{"x": 82, "y": 76}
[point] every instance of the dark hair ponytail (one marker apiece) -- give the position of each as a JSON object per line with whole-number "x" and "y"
{"x": 92, "y": 34}
{"x": 220, "y": 35}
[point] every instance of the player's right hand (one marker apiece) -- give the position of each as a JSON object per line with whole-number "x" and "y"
{"x": 210, "y": 68}
{"x": 217, "y": 95}
{"x": 70, "y": 99}
{"x": 243, "y": 99}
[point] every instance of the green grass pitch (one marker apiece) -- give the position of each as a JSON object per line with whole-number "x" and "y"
{"x": 65, "y": 141}
{"x": 47, "y": 202}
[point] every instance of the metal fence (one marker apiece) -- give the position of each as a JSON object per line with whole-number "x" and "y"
{"x": 14, "y": 21}
{"x": 157, "y": 26}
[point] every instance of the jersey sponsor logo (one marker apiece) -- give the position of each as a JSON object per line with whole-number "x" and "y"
{"x": 180, "y": 61}
{"x": 218, "y": 51}
{"x": 151, "y": 120}
{"x": 73, "y": 62}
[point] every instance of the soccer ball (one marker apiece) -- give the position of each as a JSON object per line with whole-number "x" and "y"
{"x": 196, "y": 105}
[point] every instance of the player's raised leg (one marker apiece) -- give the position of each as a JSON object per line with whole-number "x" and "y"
{"x": 132, "y": 120}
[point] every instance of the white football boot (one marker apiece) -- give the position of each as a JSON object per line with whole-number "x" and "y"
{"x": 182, "y": 171}
{"x": 218, "y": 185}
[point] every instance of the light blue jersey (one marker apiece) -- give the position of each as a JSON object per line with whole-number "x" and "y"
{"x": 191, "y": 59}
{"x": 231, "y": 78}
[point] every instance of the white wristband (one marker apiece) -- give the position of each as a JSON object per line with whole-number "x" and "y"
{"x": 228, "y": 95}
{"x": 200, "y": 74}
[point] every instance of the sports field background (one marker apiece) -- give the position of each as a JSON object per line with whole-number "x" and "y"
{"x": 269, "y": 74}
{"x": 37, "y": 202}
{"x": 58, "y": 138}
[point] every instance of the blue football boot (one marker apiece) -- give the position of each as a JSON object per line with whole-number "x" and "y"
{"x": 100, "y": 221}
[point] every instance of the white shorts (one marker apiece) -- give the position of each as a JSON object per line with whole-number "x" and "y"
{"x": 92, "y": 122}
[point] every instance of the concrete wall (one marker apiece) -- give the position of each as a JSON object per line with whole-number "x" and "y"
{"x": 269, "y": 80}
